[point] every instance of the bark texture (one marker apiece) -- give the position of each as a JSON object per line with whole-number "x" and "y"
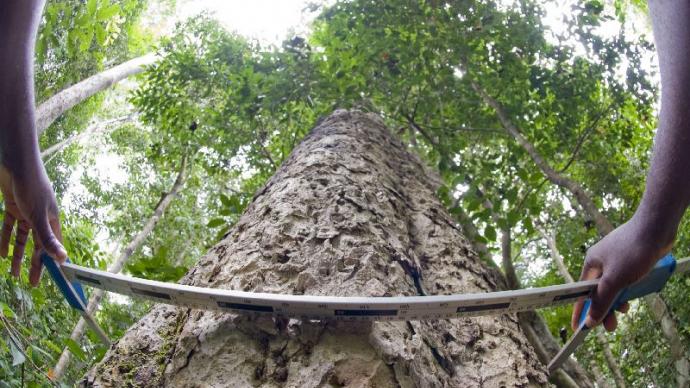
{"x": 48, "y": 111}
{"x": 571, "y": 374}
{"x": 119, "y": 263}
{"x": 350, "y": 212}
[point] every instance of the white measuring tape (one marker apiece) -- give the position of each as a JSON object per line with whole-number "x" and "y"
{"x": 69, "y": 278}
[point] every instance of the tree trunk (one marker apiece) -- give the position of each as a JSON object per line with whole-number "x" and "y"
{"x": 571, "y": 374}
{"x": 599, "y": 331}
{"x": 668, "y": 327}
{"x": 117, "y": 265}
{"x": 48, "y": 111}
{"x": 603, "y": 225}
{"x": 349, "y": 213}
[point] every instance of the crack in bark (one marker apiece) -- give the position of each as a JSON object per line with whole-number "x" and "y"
{"x": 442, "y": 360}
{"x": 411, "y": 271}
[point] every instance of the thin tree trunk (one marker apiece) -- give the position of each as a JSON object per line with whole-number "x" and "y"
{"x": 470, "y": 231}
{"x": 117, "y": 265}
{"x": 599, "y": 332}
{"x": 48, "y": 111}
{"x": 668, "y": 327}
{"x": 603, "y": 225}
{"x": 571, "y": 374}
{"x": 598, "y": 374}
{"x": 350, "y": 212}
{"x": 94, "y": 128}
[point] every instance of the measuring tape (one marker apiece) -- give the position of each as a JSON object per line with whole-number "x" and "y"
{"x": 69, "y": 279}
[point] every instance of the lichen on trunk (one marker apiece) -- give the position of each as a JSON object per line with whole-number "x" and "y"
{"x": 349, "y": 213}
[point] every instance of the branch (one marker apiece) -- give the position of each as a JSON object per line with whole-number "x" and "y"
{"x": 48, "y": 111}
{"x": 603, "y": 225}
{"x": 582, "y": 138}
{"x": 92, "y": 129}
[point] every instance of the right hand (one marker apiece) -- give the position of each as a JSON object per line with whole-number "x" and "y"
{"x": 619, "y": 259}
{"x": 30, "y": 204}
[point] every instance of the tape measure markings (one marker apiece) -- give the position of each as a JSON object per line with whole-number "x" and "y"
{"x": 334, "y": 307}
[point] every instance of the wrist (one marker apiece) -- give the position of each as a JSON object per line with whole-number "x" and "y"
{"x": 654, "y": 227}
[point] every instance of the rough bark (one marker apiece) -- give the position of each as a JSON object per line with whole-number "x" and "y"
{"x": 350, "y": 212}
{"x": 599, "y": 332}
{"x": 95, "y": 128}
{"x": 119, "y": 263}
{"x": 603, "y": 225}
{"x": 48, "y": 111}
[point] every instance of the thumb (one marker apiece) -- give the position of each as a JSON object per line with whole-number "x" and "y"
{"x": 46, "y": 232}
{"x": 602, "y": 299}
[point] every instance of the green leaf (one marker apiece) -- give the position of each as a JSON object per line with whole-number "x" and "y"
{"x": 222, "y": 232}
{"x": 527, "y": 223}
{"x": 50, "y": 344}
{"x": 101, "y": 34}
{"x": 91, "y": 6}
{"x": 75, "y": 349}
{"x": 106, "y": 13}
{"x": 6, "y": 310}
{"x": 490, "y": 233}
{"x": 216, "y": 222}
{"x": 513, "y": 218}
{"x": 225, "y": 200}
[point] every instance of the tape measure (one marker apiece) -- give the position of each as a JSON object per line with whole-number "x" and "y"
{"x": 70, "y": 277}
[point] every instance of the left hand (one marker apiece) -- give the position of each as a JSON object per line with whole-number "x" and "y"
{"x": 30, "y": 204}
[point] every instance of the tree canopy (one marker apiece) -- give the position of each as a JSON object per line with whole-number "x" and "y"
{"x": 514, "y": 115}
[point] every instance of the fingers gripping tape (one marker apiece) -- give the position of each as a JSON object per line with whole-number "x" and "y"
{"x": 654, "y": 282}
{"x": 72, "y": 291}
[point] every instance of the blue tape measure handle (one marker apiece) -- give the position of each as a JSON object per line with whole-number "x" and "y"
{"x": 653, "y": 282}
{"x": 72, "y": 291}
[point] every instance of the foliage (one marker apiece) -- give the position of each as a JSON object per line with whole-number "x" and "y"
{"x": 583, "y": 99}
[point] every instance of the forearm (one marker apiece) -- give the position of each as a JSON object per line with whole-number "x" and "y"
{"x": 667, "y": 193}
{"x": 19, "y": 22}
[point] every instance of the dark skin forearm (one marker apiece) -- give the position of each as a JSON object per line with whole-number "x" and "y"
{"x": 30, "y": 203}
{"x": 19, "y": 22}
{"x": 667, "y": 193}
{"x": 630, "y": 251}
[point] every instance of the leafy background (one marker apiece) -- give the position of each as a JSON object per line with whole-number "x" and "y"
{"x": 582, "y": 91}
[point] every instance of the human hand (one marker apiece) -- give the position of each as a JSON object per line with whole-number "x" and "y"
{"x": 619, "y": 259}
{"x": 30, "y": 204}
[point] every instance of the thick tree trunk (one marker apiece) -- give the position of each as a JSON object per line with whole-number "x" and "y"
{"x": 599, "y": 331}
{"x": 117, "y": 265}
{"x": 571, "y": 374}
{"x": 350, "y": 212}
{"x": 48, "y": 111}
{"x": 656, "y": 304}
